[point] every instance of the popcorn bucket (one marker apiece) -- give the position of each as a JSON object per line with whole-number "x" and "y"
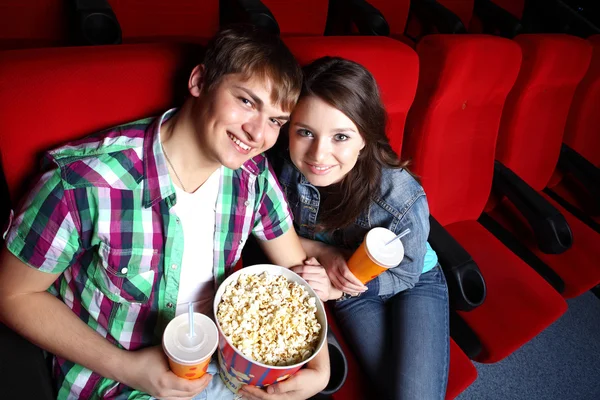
{"x": 235, "y": 369}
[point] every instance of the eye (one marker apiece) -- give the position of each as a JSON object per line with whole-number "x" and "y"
{"x": 246, "y": 102}
{"x": 340, "y": 137}
{"x": 277, "y": 122}
{"x": 304, "y": 132}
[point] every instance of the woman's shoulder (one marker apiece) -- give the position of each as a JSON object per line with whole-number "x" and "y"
{"x": 399, "y": 191}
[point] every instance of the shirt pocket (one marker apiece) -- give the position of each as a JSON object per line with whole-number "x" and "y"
{"x": 126, "y": 275}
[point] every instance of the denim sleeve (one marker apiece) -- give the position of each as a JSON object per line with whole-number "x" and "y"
{"x": 416, "y": 218}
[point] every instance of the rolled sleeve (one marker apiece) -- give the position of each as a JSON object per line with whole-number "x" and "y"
{"x": 273, "y": 217}
{"x": 43, "y": 235}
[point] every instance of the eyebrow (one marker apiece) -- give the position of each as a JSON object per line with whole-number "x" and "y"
{"x": 259, "y": 102}
{"x": 339, "y": 130}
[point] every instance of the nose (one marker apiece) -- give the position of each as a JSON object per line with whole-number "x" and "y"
{"x": 319, "y": 149}
{"x": 255, "y": 128}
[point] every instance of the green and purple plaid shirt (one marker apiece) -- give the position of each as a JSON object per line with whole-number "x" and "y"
{"x": 101, "y": 217}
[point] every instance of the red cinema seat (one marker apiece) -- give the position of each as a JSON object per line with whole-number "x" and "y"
{"x": 85, "y": 89}
{"x": 450, "y": 136}
{"x": 40, "y": 23}
{"x": 583, "y": 136}
{"x": 174, "y": 20}
{"x": 397, "y": 79}
{"x": 529, "y": 143}
{"x": 299, "y": 17}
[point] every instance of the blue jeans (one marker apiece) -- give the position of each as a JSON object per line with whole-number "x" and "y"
{"x": 401, "y": 341}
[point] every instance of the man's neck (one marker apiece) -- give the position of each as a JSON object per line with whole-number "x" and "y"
{"x": 186, "y": 160}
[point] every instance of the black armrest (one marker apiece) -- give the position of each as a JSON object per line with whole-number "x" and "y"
{"x": 584, "y": 171}
{"x": 464, "y": 336}
{"x": 552, "y": 232}
{"x": 251, "y": 12}
{"x": 338, "y": 368}
{"x": 93, "y": 22}
{"x": 494, "y": 17}
{"x": 433, "y": 13}
{"x": 368, "y": 19}
{"x": 24, "y": 372}
{"x": 466, "y": 286}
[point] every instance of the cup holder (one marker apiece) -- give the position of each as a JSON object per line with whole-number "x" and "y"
{"x": 101, "y": 28}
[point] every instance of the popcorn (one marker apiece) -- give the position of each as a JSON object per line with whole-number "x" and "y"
{"x": 269, "y": 319}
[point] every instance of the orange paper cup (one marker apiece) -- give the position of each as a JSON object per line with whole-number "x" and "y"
{"x": 374, "y": 257}
{"x": 189, "y": 357}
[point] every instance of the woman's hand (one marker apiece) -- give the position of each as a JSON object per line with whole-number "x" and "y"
{"x": 339, "y": 274}
{"x": 316, "y": 276}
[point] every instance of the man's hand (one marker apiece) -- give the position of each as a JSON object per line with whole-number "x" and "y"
{"x": 148, "y": 370}
{"x": 303, "y": 384}
{"x": 339, "y": 274}
{"x": 316, "y": 276}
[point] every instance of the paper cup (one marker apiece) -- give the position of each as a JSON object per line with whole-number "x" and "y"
{"x": 235, "y": 368}
{"x": 189, "y": 357}
{"x": 373, "y": 257}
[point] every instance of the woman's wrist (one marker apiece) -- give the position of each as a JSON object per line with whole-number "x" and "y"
{"x": 335, "y": 293}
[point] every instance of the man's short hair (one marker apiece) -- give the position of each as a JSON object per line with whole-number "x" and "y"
{"x": 253, "y": 52}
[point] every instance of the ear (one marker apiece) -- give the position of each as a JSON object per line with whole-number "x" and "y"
{"x": 196, "y": 81}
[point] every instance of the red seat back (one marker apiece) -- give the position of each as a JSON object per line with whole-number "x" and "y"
{"x": 451, "y": 129}
{"x": 582, "y": 132}
{"x": 49, "y": 96}
{"x": 535, "y": 114}
{"x": 299, "y": 17}
{"x": 462, "y": 8}
{"x": 515, "y": 7}
{"x": 395, "y": 13}
{"x": 394, "y": 65}
{"x": 151, "y": 20}
{"x": 37, "y": 23}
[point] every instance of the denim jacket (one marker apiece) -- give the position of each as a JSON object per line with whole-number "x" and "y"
{"x": 400, "y": 204}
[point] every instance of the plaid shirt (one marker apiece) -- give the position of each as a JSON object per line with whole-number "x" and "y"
{"x": 101, "y": 217}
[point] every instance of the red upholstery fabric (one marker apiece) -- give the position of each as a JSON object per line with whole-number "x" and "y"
{"x": 536, "y": 109}
{"x": 299, "y": 17}
{"x": 462, "y": 372}
{"x": 519, "y": 303}
{"x": 579, "y": 267}
{"x": 462, "y": 8}
{"x": 582, "y": 132}
{"x": 396, "y": 77}
{"x": 149, "y": 20}
{"x": 452, "y": 126}
{"x": 37, "y": 23}
{"x": 49, "y": 96}
{"x": 515, "y": 7}
{"x": 395, "y": 13}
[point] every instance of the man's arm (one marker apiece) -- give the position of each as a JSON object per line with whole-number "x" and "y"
{"x": 285, "y": 250}
{"x": 27, "y": 308}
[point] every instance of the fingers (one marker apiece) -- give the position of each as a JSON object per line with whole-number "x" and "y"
{"x": 186, "y": 388}
{"x": 289, "y": 385}
{"x": 309, "y": 269}
{"x": 253, "y": 393}
{"x": 311, "y": 261}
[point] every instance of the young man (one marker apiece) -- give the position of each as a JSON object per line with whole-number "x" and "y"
{"x": 127, "y": 226}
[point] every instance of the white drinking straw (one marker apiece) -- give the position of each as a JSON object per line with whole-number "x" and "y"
{"x": 191, "y": 319}
{"x": 401, "y": 235}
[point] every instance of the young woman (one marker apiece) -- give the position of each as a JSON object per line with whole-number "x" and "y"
{"x": 342, "y": 178}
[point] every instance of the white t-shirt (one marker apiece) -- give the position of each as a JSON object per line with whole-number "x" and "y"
{"x": 197, "y": 214}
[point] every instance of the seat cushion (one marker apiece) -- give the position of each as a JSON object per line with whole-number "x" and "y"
{"x": 579, "y": 267}
{"x": 462, "y": 372}
{"x": 519, "y": 303}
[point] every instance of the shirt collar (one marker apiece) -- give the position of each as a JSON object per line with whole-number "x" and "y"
{"x": 157, "y": 182}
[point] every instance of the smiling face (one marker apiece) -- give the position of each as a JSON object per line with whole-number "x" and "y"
{"x": 236, "y": 120}
{"x": 324, "y": 142}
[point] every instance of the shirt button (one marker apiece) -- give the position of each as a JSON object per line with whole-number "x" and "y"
{"x": 247, "y": 203}
{"x": 241, "y": 241}
{"x": 174, "y": 266}
{"x": 170, "y": 305}
{"x": 178, "y": 221}
{"x": 124, "y": 270}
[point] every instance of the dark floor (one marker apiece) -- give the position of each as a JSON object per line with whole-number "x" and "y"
{"x": 562, "y": 362}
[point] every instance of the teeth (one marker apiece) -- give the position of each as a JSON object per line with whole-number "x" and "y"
{"x": 320, "y": 168}
{"x": 239, "y": 143}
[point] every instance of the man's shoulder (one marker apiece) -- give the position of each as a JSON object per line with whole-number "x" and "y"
{"x": 109, "y": 158}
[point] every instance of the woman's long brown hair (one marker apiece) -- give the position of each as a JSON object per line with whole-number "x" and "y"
{"x": 350, "y": 88}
